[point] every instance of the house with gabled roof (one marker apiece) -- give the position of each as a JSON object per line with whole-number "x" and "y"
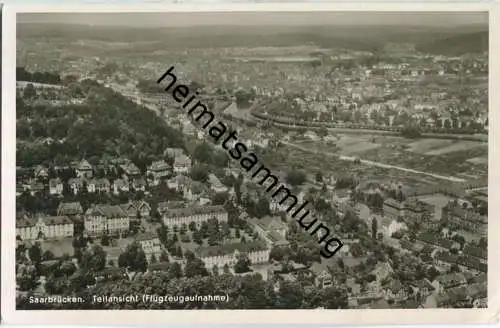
{"x": 102, "y": 218}
{"x": 41, "y": 172}
{"x": 322, "y": 276}
{"x": 173, "y": 152}
{"x": 139, "y": 184}
{"x": 56, "y": 187}
{"x": 41, "y": 227}
{"x": 120, "y": 186}
{"x": 271, "y": 229}
{"x": 150, "y": 244}
{"x": 84, "y": 170}
{"x": 69, "y": 209}
{"x": 139, "y": 207}
{"x": 396, "y": 291}
{"x": 76, "y": 185}
{"x": 130, "y": 170}
{"x": 422, "y": 287}
{"x": 220, "y": 255}
{"x": 447, "y": 281}
{"x": 157, "y": 171}
{"x": 182, "y": 164}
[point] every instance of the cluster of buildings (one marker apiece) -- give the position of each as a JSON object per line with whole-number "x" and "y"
{"x": 117, "y": 176}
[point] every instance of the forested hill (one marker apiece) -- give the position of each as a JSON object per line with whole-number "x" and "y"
{"x": 106, "y": 124}
{"x": 457, "y": 45}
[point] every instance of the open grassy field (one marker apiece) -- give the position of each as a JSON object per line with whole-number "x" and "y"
{"x": 351, "y": 145}
{"x": 58, "y": 247}
{"x": 479, "y": 160}
{"x": 425, "y": 145}
{"x": 330, "y": 165}
{"x": 457, "y": 146}
{"x": 397, "y": 151}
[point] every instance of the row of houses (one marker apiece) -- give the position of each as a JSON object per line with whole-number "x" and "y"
{"x": 131, "y": 175}
{"x": 228, "y": 254}
{"x": 97, "y": 220}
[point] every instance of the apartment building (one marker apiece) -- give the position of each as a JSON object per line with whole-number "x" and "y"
{"x": 197, "y": 214}
{"x": 110, "y": 219}
{"x": 44, "y": 227}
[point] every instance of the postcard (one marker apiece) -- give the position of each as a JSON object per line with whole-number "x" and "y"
{"x": 278, "y": 163}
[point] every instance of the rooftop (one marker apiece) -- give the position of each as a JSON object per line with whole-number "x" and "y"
{"x": 226, "y": 249}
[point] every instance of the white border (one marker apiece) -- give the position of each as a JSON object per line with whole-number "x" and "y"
{"x": 127, "y": 317}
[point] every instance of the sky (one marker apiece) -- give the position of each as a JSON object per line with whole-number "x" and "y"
{"x": 442, "y": 19}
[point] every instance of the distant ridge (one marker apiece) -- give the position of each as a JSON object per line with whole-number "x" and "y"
{"x": 457, "y": 45}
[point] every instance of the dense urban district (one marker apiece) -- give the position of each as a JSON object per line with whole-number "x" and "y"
{"x": 119, "y": 192}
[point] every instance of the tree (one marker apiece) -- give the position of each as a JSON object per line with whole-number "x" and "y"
{"x": 163, "y": 256}
{"x": 203, "y": 153}
{"x": 174, "y": 270}
{"x": 220, "y": 198}
{"x": 195, "y": 267}
{"x": 105, "y": 240}
{"x": 278, "y": 253}
{"x": 48, "y": 255}
{"x": 93, "y": 259}
{"x": 242, "y": 264}
{"x": 35, "y": 253}
{"x": 213, "y": 240}
{"x": 29, "y": 91}
{"x": 296, "y": 178}
{"x": 374, "y": 228}
{"x": 192, "y": 226}
{"x": 411, "y": 132}
{"x": 122, "y": 260}
{"x": 319, "y": 177}
{"x": 152, "y": 259}
{"x": 133, "y": 258}
{"x": 183, "y": 229}
{"x": 322, "y": 132}
{"x": 199, "y": 173}
{"x": 26, "y": 277}
{"x": 334, "y": 298}
{"x": 197, "y": 237}
{"x": 215, "y": 271}
{"x": 290, "y": 296}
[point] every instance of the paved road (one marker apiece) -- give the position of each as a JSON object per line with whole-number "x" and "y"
{"x": 377, "y": 164}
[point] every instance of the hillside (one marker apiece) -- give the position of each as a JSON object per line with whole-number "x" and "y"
{"x": 105, "y": 125}
{"x": 328, "y": 36}
{"x": 457, "y": 45}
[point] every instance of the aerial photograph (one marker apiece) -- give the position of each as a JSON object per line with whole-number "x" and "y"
{"x": 251, "y": 160}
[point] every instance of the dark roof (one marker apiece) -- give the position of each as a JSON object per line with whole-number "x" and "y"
{"x": 225, "y": 249}
{"x": 192, "y": 210}
{"x": 475, "y": 251}
{"x": 159, "y": 266}
{"x": 71, "y": 208}
{"x": 110, "y": 270}
{"x": 109, "y": 211}
{"x": 317, "y": 268}
{"x": 146, "y": 236}
{"x": 451, "y": 279}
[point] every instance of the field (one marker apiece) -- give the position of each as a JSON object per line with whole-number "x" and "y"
{"x": 350, "y": 145}
{"x": 457, "y": 146}
{"x": 438, "y": 200}
{"x": 118, "y": 245}
{"x": 451, "y": 158}
{"x": 58, "y": 247}
{"x": 479, "y": 160}
{"x": 426, "y": 145}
